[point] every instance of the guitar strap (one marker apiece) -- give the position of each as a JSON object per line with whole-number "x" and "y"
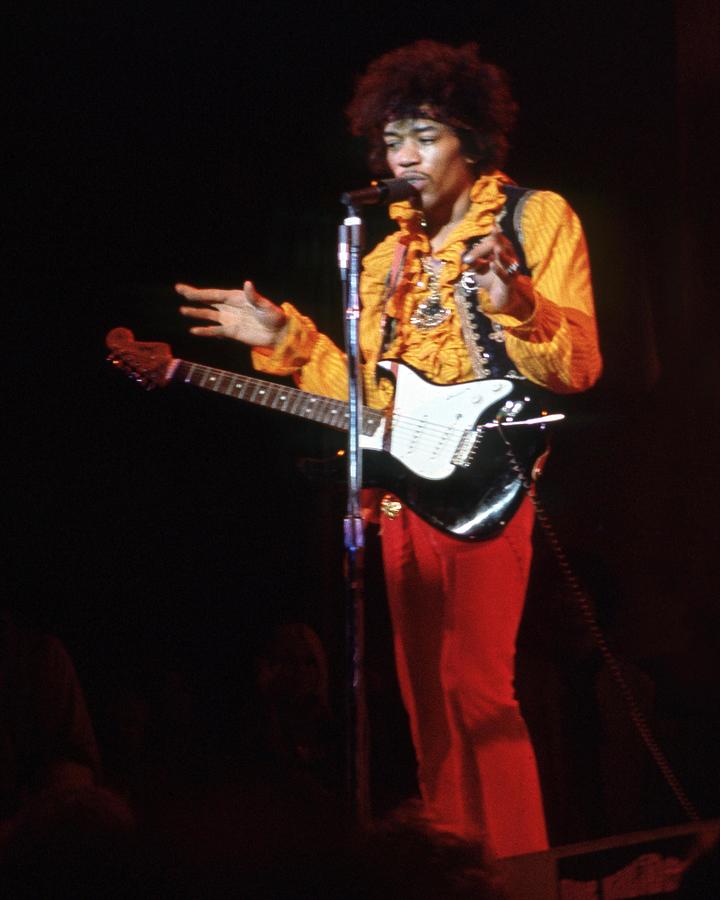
{"x": 388, "y": 324}
{"x": 510, "y": 220}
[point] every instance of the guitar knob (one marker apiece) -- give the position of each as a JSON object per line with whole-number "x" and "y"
{"x": 511, "y": 409}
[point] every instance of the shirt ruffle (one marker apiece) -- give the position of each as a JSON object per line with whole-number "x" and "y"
{"x": 439, "y": 352}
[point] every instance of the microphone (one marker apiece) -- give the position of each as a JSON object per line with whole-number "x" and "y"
{"x": 388, "y": 190}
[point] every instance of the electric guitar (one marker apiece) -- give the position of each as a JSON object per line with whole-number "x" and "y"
{"x": 442, "y": 449}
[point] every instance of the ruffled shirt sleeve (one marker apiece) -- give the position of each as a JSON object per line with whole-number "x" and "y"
{"x": 315, "y": 362}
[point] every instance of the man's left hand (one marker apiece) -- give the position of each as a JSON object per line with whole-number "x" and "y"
{"x": 495, "y": 267}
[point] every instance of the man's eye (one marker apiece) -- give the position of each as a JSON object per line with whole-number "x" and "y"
{"x": 391, "y": 146}
{"x": 428, "y": 140}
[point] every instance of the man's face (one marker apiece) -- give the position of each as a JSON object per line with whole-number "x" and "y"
{"x": 430, "y": 156}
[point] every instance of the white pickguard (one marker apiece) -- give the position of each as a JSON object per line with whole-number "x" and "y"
{"x": 429, "y": 420}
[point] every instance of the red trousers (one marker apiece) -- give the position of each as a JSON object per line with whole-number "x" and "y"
{"x": 455, "y": 610}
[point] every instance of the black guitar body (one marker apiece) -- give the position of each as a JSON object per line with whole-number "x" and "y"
{"x": 474, "y": 503}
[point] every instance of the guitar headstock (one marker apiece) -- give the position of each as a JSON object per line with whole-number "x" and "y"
{"x": 150, "y": 364}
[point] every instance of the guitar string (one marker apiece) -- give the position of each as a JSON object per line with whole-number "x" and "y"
{"x": 432, "y": 435}
{"x": 429, "y": 435}
{"x": 422, "y": 434}
{"x": 419, "y": 435}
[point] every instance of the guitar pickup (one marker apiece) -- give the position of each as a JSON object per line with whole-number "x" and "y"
{"x": 467, "y": 447}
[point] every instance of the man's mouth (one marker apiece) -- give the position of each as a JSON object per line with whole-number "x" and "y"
{"x": 415, "y": 178}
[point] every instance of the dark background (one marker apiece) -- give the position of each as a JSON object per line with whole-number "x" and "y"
{"x": 151, "y": 143}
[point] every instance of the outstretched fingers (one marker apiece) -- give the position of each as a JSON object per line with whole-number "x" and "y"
{"x": 208, "y": 330}
{"x": 202, "y": 295}
{"x": 250, "y": 292}
{"x": 200, "y": 312}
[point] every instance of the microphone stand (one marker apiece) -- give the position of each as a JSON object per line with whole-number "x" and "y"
{"x": 350, "y": 247}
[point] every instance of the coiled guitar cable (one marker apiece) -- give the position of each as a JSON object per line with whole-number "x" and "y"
{"x": 585, "y": 606}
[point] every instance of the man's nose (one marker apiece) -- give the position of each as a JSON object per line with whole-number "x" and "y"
{"x": 408, "y": 155}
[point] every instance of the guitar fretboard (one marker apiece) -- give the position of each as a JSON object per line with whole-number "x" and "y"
{"x": 334, "y": 413}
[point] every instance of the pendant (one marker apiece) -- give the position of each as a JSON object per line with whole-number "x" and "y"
{"x": 430, "y": 313}
{"x": 428, "y": 316}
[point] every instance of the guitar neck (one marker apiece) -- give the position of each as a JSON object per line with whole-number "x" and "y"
{"x": 290, "y": 400}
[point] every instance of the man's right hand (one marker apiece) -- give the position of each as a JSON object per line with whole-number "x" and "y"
{"x": 241, "y": 315}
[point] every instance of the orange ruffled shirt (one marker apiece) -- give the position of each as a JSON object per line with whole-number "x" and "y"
{"x": 556, "y": 346}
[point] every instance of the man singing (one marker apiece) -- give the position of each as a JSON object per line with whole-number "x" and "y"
{"x": 475, "y": 249}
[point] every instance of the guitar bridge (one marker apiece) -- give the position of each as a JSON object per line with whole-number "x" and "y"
{"x": 467, "y": 447}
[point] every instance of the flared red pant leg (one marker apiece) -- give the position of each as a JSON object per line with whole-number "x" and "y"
{"x": 455, "y": 608}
